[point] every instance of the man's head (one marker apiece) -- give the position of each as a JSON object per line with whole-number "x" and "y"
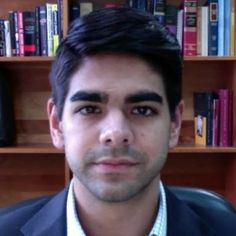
{"x": 119, "y": 30}
{"x": 116, "y": 106}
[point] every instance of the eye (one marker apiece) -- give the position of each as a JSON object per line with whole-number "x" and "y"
{"x": 88, "y": 110}
{"x": 144, "y": 111}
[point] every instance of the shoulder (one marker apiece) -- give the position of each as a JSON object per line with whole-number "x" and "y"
{"x": 14, "y": 216}
{"x": 223, "y": 222}
{"x": 200, "y": 215}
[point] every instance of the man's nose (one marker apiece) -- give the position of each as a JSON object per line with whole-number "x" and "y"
{"x": 116, "y": 130}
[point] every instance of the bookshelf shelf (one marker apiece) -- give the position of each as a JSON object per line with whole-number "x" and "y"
{"x": 209, "y": 58}
{"x": 26, "y": 59}
{"x": 200, "y": 149}
{"x": 50, "y": 59}
{"x": 30, "y": 149}
{"x": 48, "y": 149}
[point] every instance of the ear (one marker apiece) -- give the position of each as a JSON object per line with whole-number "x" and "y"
{"x": 176, "y": 125}
{"x": 55, "y": 125}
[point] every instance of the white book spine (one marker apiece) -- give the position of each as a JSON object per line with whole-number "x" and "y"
{"x": 7, "y": 38}
{"x": 204, "y": 34}
{"x": 179, "y": 34}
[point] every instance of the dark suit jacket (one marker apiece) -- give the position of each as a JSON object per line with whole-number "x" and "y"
{"x": 47, "y": 217}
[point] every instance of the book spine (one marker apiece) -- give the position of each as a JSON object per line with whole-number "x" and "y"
{"x": 213, "y": 28}
{"x": 12, "y": 33}
{"x": 29, "y": 33}
{"x": 171, "y": 18}
{"x": 37, "y": 31}
{"x": 215, "y": 130}
{"x": 199, "y": 31}
{"x": 2, "y": 39}
{"x": 232, "y": 29}
{"x": 60, "y": 19}
{"x": 159, "y": 10}
{"x": 221, "y": 28}
{"x": 224, "y": 117}
{"x": 200, "y": 118}
{"x": 43, "y": 30}
{"x": 7, "y": 38}
{"x": 227, "y": 20}
{"x": 55, "y": 28}
{"x": 7, "y": 120}
{"x": 21, "y": 33}
{"x": 204, "y": 35}
{"x": 179, "y": 34}
{"x": 209, "y": 107}
{"x": 49, "y": 29}
{"x": 190, "y": 28}
{"x": 16, "y": 24}
{"x": 74, "y": 11}
{"x": 230, "y": 139}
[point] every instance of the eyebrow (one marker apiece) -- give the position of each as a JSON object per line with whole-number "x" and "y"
{"x": 90, "y": 96}
{"x": 144, "y": 96}
{"x": 93, "y": 96}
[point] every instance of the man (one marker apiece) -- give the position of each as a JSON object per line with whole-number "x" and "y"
{"x": 115, "y": 110}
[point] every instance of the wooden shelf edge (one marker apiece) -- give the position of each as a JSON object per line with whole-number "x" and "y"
{"x": 47, "y": 149}
{"x": 26, "y": 59}
{"x": 210, "y": 58}
{"x": 24, "y": 149}
{"x": 50, "y": 59}
{"x": 202, "y": 149}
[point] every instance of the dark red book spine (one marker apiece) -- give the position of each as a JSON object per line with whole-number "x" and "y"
{"x": 224, "y": 117}
{"x": 190, "y": 28}
{"x": 29, "y": 33}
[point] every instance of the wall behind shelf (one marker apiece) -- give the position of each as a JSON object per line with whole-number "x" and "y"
{"x": 27, "y": 176}
{"x": 31, "y": 90}
{"x": 213, "y": 171}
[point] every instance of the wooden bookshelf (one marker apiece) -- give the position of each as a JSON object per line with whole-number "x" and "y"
{"x": 33, "y": 167}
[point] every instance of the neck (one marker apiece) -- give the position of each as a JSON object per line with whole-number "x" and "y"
{"x": 133, "y": 217}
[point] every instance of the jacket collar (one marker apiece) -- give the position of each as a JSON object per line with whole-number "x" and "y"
{"x": 182, "y": 220}
{"x": 50, "y": 219}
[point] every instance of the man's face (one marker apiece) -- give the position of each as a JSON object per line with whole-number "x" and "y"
{"x": 115, "y": 127}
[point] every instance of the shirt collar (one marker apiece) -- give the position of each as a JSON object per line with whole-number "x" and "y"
{"x": 73, "y": 225}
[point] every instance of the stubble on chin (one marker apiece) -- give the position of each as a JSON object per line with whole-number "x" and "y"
{"x": 115, "y": 187}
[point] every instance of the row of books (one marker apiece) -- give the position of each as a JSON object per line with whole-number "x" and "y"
{"x": 209, "y": 30}
{"x": 203, "y": 30}
{"x": 213, "y": 118}
{"x": 206, "y": 29}
{"x": 31, "y": 33}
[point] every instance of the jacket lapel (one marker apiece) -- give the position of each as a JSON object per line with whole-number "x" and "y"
{"x": 182, "y": 220}
{"x": 50, "y": 220}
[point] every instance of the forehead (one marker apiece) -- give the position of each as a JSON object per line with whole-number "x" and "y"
{"x": 115, "y": 73}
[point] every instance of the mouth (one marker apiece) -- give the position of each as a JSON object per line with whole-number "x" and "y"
{"x": 114, "y": 165}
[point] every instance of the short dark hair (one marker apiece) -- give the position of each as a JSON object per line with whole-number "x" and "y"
{"x": 118, "y": 30}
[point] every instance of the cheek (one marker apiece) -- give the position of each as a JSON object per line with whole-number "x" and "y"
{"x": 78, "y": 139}
{"x": 154, "y": 140}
